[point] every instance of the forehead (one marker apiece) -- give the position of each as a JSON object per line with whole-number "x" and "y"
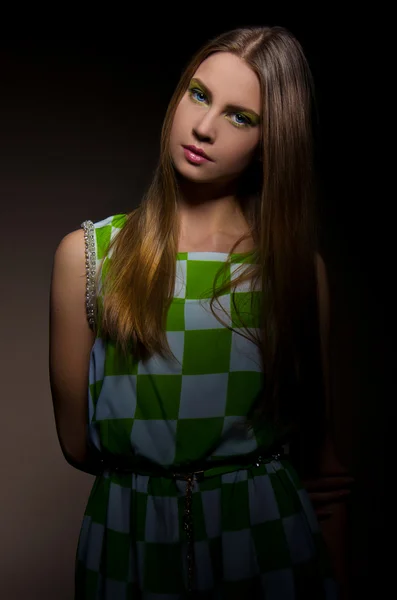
{"x": 230, "y": 80}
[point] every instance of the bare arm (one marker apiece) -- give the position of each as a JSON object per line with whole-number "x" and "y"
{"x": 332, "y": 487}
{"x": 71, "y": 341}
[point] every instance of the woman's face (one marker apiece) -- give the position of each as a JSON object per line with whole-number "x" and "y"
{"x": 220, "y": 115}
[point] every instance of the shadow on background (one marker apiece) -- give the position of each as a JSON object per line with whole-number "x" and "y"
{"x": 80, "y": 122}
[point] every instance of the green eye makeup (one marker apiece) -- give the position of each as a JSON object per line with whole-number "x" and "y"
{"x": 245, "y": 118}
{"x": 194, "y": 84}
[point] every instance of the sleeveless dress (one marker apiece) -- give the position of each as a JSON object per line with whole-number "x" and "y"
{"x": 255, "y": 534}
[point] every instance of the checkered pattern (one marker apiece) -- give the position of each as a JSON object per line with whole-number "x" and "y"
{"x": 255, "y": 531}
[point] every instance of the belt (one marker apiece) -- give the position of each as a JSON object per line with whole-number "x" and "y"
{"x": 190, "y": 476}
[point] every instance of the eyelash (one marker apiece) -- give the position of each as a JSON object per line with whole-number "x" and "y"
{"x": 248, "y": 121}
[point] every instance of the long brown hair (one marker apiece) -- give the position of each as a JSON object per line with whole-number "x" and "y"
{"x": 279, "y": 206}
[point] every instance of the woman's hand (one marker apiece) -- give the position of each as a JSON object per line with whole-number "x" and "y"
{"x": 326, "y": 492}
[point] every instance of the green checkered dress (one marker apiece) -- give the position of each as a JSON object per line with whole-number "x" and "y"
{"x": 255, "y": 534}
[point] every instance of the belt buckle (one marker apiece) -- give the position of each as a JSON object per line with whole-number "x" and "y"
{"x": 197, "y": 475}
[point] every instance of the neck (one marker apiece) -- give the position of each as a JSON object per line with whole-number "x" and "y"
{"x": 209, "y": 207}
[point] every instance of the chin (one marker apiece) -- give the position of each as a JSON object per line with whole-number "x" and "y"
{"x": 192, "y": 173}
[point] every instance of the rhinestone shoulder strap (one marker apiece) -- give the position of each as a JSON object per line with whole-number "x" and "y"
{"x": 90, "y": 267}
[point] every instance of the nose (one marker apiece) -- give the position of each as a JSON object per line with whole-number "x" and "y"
{"x": 204, "y": 129}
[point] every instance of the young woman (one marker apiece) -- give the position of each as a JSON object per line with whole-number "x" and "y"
{"x": 198, "y": 323}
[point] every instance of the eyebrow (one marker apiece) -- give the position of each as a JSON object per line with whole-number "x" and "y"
{"x": 233, "y": 107}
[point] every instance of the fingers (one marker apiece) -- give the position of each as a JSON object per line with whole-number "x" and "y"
{"x": 328, "y": 483}
{"x": 328, "y": 497}
{"x": 323, "y": 513}
{"x": 327, "y": 492}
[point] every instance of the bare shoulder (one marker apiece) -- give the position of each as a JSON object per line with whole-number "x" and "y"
{"x": 320, "y": 268}
{"x": 69, "y": 268}
{"x": 68, "y": 281}
{"x": 71, "y": 249}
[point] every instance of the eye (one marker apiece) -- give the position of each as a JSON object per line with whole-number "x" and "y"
{"x": 197, "y": 95}
{"x": 241, "y": 120}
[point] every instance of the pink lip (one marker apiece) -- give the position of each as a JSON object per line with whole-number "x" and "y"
{"x": 195, "y": 155}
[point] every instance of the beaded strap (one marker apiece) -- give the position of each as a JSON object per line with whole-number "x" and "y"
{"x": 90, "y": 266}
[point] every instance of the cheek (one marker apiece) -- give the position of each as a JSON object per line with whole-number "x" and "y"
{"x": 238, "y": 154}
{"x": 180, "y": 120}
{"x": 174, "y": 128}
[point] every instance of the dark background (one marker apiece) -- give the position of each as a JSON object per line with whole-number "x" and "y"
{"x": 80, "y": 119}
